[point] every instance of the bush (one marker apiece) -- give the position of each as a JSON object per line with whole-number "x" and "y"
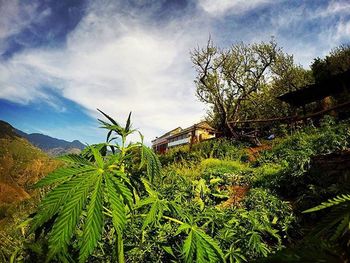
{"x": 293, "y": 155}
{"x": 216, "y": 148}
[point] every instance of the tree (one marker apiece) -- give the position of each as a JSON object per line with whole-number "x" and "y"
{"x": 286, "y": 77}
{"x": 227, "y": 78}
{"x": 244, "y": 81}
{"x": 336, "y": 62}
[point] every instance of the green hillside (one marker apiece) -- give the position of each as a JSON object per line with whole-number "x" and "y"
{"x": 21, "y": 164}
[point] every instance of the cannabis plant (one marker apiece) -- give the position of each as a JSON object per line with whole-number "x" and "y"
{"x": 336, "y": 222}
{"x": 90, "y": 187}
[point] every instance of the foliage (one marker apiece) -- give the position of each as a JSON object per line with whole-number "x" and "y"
{"x": 293, "y": 154}
{"x": 188, "y": 212}
{"x": 336, "y": 62}
{"x": 265, "y": 104}
{"x": 88, "y": 186}
{"x": 226, "y": 78}
{"x": 219, "y": 148}
{"x": 199, "y": 245}
{"x": 336, "y": 224}
{"x": 331, "y": 202}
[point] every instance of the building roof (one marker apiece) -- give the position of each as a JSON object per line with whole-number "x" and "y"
{"x": 310, "y": 93}
{"x": 167, "y": 134}
{"x": 179, "y": 131}
{"x": 201, "y": 125}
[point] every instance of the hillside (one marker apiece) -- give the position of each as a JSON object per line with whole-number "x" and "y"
{"x": 51, "y": 146}
{"x": 21, "y": 164}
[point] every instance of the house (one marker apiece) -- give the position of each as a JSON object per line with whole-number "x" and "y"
{"x": 194, "y": 134}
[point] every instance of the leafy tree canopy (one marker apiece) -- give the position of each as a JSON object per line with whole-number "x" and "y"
{"x": 233, "y": 81}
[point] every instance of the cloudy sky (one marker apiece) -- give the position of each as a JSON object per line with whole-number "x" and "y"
{"x": 60, "y": 60}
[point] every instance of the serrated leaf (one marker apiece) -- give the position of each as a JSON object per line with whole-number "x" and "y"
{"x": 93, "y": 226}
{"x": 68, "y": 217}
{"x": 329, "y": 203}
{"x": 62, "y": 174}
{"x": 109, "y": 118}
{"x": 75, "y": 159}
{"x": 117, "y": 206}
{"x": 124, "y": 191}
{"x": 98, "y": 157}
{"x": 150, "y": 159}
{"x": 53, "y": 201}
{"x": 151, "y": 215}
{"x": 188, "y": 248}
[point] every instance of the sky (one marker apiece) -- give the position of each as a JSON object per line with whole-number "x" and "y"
{"x": 61, "y": 60}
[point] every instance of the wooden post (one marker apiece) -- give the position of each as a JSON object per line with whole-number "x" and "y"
{"x": 193, "y": 134}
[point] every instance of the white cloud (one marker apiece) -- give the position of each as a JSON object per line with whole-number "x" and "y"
{"x": 15, "y": 16}
{"x": 342, "y": 31}
{"x": 116, "y": 64}
{"x": 307, "y": 32}
{"x": 336, "y": 7}
{"x": 222, "y": 7}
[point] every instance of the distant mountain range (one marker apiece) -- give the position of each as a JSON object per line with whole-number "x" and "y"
{"x": 50, "y": 145}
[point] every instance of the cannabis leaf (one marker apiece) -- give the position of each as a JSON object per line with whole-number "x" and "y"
{"x": 89, "y": 184}
{"x": 198, "y": 246}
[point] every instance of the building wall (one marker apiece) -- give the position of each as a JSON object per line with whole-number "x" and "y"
{"x": 200, "y": 135}
{"x": 179, "y": 142}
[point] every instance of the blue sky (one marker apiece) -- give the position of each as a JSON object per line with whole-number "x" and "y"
{"x": 60, "y": 60}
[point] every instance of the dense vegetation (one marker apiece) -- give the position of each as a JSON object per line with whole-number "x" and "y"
{"x": 217, "y": 202}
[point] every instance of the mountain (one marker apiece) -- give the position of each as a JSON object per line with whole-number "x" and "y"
{"x": 50, "y": 145}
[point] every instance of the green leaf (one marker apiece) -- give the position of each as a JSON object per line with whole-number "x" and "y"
{"x": 108, "y": 136}
{"x": 169, "y": 250}
{"x": 145, "y": 201}
{"x": 128, "y": 124}
{"x": 52, "y": 202}
{"x": 182, "y": 228}
{"x": 148, "y": 188}
{"x": 62, "y": 174}
{"x": 152, "y": 162}
{"x": 124, "y": 191}
{"x": 211, "y": 247}
{"x": 93, "y": 226}
{"x": 199, "y": 247}
{"x": 342, "y": 227}
{"x": 256, "y": 243}
{"x": 109, "y": 118}
{"x": 188, "y": 248}
{"x": 98, "y": 157}
{"x": 152, "y": 214}
{"x": 116, "y": 203}
{"x": 330, "y": 202}
{"x": 68, "y": 217}
{"x": 74, "y": 159}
